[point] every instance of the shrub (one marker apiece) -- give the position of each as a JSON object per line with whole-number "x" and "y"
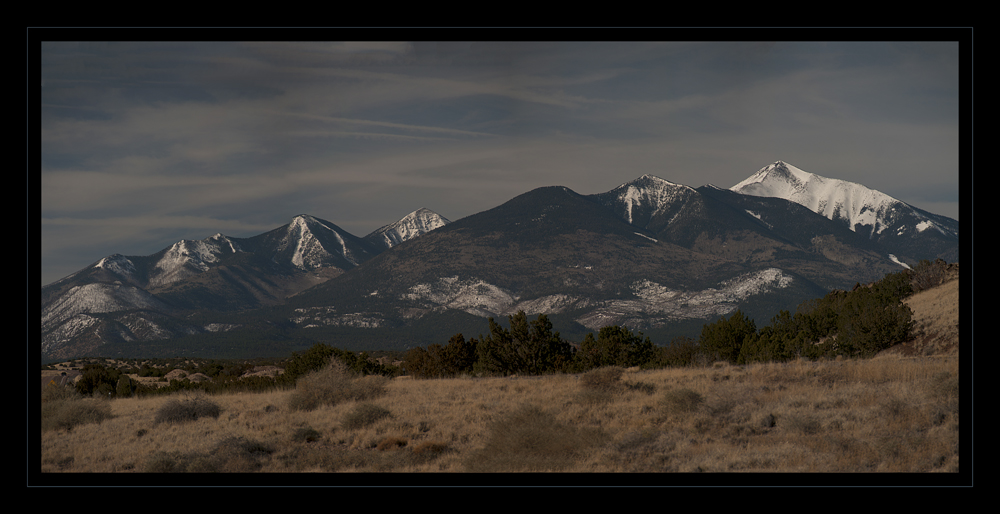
{"x": 73, "y": 411}
{"x": 239, "y": 455}
{"x": 305, "y": 434}
{"x": 54, "y": 392}
{"x": 531, "y": 439}
{"x": 390, "y": 443}
{"x": 644, "y": 387}
{"x": 231, "y": 455}
{"x": 679, "y": 401}
{"x": 363, "y": 415}
{"x": 332, "y": 385}
{"x": 806, "y": 425}
{"x": 602, "y": 379}
{"x": 181, "y": 411}
{"x": 944, "y": 385}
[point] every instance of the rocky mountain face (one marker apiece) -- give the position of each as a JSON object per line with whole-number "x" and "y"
{"x": 650, "y": 254}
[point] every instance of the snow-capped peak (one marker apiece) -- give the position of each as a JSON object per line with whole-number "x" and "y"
{"x": 118, "y": 264}
{"x": 648, "y": 191}
{"x": 832, "y": 198}
{"x": 408, "y": 227}
{"x": 310, "y": 252}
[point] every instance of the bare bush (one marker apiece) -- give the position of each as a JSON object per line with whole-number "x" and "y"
{"x": 332, "y": 385}
{"x": 182, "y": 411}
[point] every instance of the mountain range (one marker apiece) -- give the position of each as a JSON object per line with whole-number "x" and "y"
{"x": 651, "y": 255}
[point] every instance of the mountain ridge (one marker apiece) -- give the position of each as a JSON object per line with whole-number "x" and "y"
{"x": 649, "y": 253}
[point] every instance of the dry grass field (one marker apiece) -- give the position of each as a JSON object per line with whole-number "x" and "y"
{"x": 897, "y": 413}
{"x": 887, "y": 414}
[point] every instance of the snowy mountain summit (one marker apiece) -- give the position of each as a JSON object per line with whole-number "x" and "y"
{"x": 410, "y": 226}
{"x": 864, "y": 210}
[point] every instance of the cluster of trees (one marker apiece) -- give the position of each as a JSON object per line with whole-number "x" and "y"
{"x": 857, "y": 323}
{"x": 528, "y": 348}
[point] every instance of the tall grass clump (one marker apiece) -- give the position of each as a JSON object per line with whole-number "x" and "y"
{"x": 531, "y": 439}
{"x": 606, "y": 379}
{"x": 334, "y": 384}
{"x": 681, "y": 401}
{"x": 64, "y": 408}
{"x": 230, "y": 455}
{"x": 363, "y": 415}
{"x": 181, "y": 411}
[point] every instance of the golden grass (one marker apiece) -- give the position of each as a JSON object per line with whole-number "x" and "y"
{"x": 877, "y": 415}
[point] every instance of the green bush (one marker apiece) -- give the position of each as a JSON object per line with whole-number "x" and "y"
{"x": 182, "y": 411}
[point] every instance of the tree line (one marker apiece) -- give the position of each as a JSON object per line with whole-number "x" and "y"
{"x": 854, "y": 324}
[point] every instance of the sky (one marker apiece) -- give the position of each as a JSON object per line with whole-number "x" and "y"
{"x": 147, "y": 143}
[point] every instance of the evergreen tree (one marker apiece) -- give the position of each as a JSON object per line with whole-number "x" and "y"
{"x": 531, "y": 348}
{"x": 725, "y": 338}
{"x": 615, "y": 346}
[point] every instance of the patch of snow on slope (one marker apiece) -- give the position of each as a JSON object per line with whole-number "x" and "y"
{"x": 551, "y": 304}
{"x": 897, "y": 261}
{"x": 472, "y": 295}
{"x": 649, "y": 190}
{"x": 658, "y": 301}
{"x": 926, "y": 224}
{"x": 414, "y": 224}
{"x": 67, "y": 330}
{"x": 313, "y": 317}
{"x": 225, "y": 239}
{"x": 118, "y": 264}
{"x": 97, "y": 298}
{"x": 184, "y": 259}
{"x": 309, "y": 252}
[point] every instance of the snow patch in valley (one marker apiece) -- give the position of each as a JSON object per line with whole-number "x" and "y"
{"x": 651, "y": 299}
{"x": 327, "y": 316}
{"x": 665, "y": 304}
{"x": 473, "y": 295}
{"x": 220, "y": 327}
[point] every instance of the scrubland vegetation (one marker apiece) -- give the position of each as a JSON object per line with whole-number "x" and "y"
{"x": 888, "y": 414}
{"x": 810, "y": 393}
